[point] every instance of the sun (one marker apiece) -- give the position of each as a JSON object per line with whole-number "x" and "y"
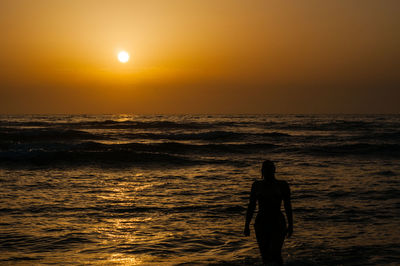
{"x": 123, "y": 57}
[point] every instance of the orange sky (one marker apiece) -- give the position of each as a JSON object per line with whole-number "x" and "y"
{"x": 192, "y": 56}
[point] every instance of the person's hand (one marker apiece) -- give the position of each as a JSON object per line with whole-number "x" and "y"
{"x": 289, "y": 231}
{"x": 246, "y": 231}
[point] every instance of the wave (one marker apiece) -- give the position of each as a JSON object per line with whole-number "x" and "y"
{"x": 384, "y": 173}
{"x": 207, "y": 136}
{"x": 112, "y": 124}
{"x": 44, "y": 134}
{"x": 181, "y": 148}
{"x": 299, "y": 122}
{"x": 92, "y": 152}
{"x": 334, "y": 125}
{"x": 382, "y": 136}
{"x": 361, "y": 149}
{"x": 11, "y": 123}
{"x": 121, "y": 209}
{"x": 12, "y": 241}
{"x": 101, "y": 158}
{"x": 189, "y": 139}
{"x": 62, "y": 134}
{"x": 143, "y": 125}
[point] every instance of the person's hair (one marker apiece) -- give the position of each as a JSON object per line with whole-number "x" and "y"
{"x": 268, "y": 168}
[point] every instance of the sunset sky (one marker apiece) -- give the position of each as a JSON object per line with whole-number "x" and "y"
{"x": 200, "y": 56}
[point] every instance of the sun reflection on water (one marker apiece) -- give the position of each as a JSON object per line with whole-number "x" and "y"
{"x": 125, "y": 259}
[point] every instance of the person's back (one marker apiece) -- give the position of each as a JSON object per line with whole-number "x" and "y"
{"x": 270, "y": 195}
{"x": 270, "y": 225}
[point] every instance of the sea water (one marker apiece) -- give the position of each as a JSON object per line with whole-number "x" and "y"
{"x": 163, "y": 189}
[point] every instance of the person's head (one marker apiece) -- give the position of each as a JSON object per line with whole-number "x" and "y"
{"x": 268, "y": 169}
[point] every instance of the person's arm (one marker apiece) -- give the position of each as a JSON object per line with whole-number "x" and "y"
{"x": 250, "y": 210}
{"x": 288, "y": 210}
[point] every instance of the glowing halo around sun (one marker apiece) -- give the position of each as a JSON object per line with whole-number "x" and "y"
{"x": 123, "y": 57}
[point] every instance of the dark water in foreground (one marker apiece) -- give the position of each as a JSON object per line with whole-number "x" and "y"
{"x": 151, "y": 190}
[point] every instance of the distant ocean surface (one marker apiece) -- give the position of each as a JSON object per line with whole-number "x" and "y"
{"x": 173, "y": 190}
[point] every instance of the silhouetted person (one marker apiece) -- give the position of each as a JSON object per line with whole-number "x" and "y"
{"x": 270, "y": 225}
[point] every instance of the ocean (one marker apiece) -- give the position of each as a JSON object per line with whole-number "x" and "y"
{"x": 173, "y": 190}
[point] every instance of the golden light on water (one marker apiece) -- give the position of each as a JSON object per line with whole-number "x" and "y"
{"x": 125, "y": 260}
{"x": 123, "y": 57}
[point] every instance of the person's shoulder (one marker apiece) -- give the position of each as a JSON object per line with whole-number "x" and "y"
{"x": 256, "y": 184}
{"x": 284, "y": 186}
{"x": 283, "y": 183}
